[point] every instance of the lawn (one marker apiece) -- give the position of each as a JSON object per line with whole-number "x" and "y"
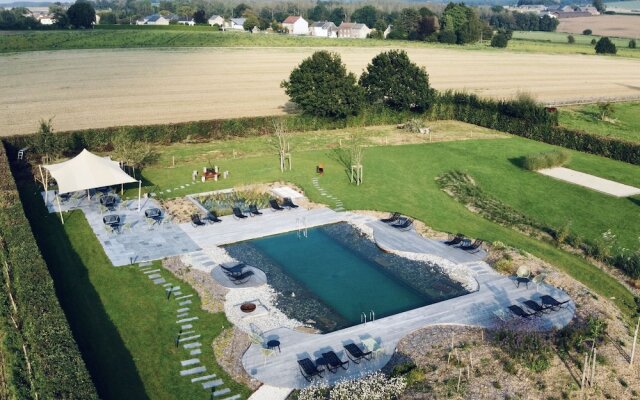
{"x": 561, "y": 37}
{"x": 123, "y": 323}
{"x": 623, "y": 124}
{"x": 140, "y": 37}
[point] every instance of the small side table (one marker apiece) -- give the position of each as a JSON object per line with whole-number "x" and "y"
{"x": 272, "y": 344}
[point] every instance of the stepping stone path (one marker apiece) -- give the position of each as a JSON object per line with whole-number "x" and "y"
{"x": 338, "y": 203}
{"x": 190, "y": 367}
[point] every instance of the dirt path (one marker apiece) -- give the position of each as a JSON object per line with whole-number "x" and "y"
{"x": 99, "y": 88}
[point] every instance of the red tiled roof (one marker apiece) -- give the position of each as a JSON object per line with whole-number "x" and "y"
{"x": 291, "y": 19}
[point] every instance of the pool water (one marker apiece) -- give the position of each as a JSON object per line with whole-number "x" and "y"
{"x": 334, "y": 274}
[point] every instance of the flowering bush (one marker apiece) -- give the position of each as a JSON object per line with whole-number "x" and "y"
{"x": 375, "y": 386}
{"x": 313, "y": 392}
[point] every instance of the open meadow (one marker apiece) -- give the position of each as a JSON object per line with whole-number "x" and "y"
{"x": 623, "y": 123}
{"x": 606, "y": 25}
{"x": 101, "y": 88}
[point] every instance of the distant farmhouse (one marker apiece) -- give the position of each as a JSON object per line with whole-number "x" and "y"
{"x": 216, "y": 20}
{"x": 155, "y": 19}
{"x": 353, "y": 30}
{"x": 323, "y": 29}
{"x": 296, "y": 25}
{"x": 186, "y": 21}
{"x": 236, "y": 23}
{"x": 556, "y": 11}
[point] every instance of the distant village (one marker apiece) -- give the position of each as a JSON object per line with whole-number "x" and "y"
{"x": 556, "y": 11}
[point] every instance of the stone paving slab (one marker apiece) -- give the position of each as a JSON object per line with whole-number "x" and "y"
{"x": 203, "y": 378}
{"x": 192, "y": 361}
{"x": 212, "y": 384}
{"x": 192, "y": 345}
{"x": 192, "y": 371}
{"x": 221, "y": 392}
{"x": 591, "y": 182}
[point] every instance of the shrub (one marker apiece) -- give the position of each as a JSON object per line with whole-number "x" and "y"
{"x": 505, "y": 266}
{"x": 587, "y": 32}
{"x": 531, "y": 349}
{"x": 605, "y": 46}
{"x": 593, "y": 42}
{"x": 632, "y": 44}
{"x": 375, "y": 386}
{"x": 500, "y": 40}
{"x": 547, "y": 159}
{"x": 448, "y": 37}
{"x": 571, "y": 39}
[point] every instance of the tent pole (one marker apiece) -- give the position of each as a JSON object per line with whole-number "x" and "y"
{"x": 46, "y": 192}
{"x": 122, "y": 189}
{"x": 139, "y": 193}
{"x": 60, "y": 209}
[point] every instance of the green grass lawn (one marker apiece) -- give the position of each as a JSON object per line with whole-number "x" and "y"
{"x": 139, "y": 37}
{"x": 623, "y": 124}
{"x": 560, "y": 37}
{"x": 123, "y": 323}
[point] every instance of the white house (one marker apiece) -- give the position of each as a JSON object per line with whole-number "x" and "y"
{"x": 155, "y": 19}
{"x": 296, "y": 25}
{"x": 323, "y": 29}
{"x": 47, "y": 19}
{"x": 353, "y": 30}
{"x": 236, "y": 23}
{"x": 216, "y": 20}
{"x": 186, "y": 21}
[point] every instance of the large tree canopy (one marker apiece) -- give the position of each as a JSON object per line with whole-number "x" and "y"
{"x": 321, "y": 86}
{"x": 81, "y": 14}
{"x": 392, "y": 79}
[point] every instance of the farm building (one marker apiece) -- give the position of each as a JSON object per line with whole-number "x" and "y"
{"x": 353, "y": 30}
{"x": 186, "y": 21}
{"x": 155, "y": 19}
{"x": 296, "y": 25}
{"x": 216, "y": 20}
{"x": 323, "y": 29}
{"x": 236, "y": 23}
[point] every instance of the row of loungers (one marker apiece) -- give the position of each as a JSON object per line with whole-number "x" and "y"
{"x": 309, "y": 369}
{"x": 212, "y": 217}
{"x": 547, "y": 303}
{"x": 399, "y": 222}
{"x": 459, "y": 242}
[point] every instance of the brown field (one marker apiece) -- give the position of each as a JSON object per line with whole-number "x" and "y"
{"x": 626, "y": 26}
{"x": 100, "y": 88}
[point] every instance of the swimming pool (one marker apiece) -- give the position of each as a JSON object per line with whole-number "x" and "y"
{"x": 334, "y": 274}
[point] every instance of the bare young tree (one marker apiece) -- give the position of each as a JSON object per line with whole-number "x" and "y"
{"x": 281, "y": 142}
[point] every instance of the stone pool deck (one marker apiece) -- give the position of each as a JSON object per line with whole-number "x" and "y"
{"x": 483, "y": 308}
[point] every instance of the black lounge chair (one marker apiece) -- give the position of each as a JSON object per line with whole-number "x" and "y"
{"x": 253, "y": 210}
{"x": 520, "y": 312}
{"x": 474, "y": 247}
{"x": 238, "y": 213}
{"x": 392, "y": 218}
{"x": 234, "y": 270}
{"x": 403, "y": 223}
{"x": 535, "y": 307}
{"x": 355, "y": 354}
{"x": 308, "y": 369}
{"x": 275, "y": 206}
{"x": 288, "y": 203}
{"x": 550, "y": 302}
{"x": 456, "y": 240}
{"x": 212, "y": 217}
{"x": 241, "y": 278}
{"x": 196, "y": 221}
{"x": 334, "y": 362}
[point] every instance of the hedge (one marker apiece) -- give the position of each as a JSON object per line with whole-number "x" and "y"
{"x": 55, "y": 362}
{"x": 547, "y": 159}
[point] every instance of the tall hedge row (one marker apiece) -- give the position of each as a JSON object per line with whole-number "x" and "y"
{"x": 44, "y": 359}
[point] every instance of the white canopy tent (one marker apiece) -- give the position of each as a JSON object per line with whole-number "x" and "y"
{"x": 87, "y": 171}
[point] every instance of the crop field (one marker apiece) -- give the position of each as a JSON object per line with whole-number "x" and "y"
{"x": 100, "y": 88}
{"x": 561, "y": 37}
{"x": 606, "y": 25}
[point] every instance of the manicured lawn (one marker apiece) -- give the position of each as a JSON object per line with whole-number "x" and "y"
{"x": 402, "y": 178}
{"x": 624, "y": 124}
{"x": 124, "y": 325}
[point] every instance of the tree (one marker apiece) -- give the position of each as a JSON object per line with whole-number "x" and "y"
{"x": 393, "y": 80}
{"x": 321, "y": 86}
{"x": 571, "y": 39}
{"x": 338, "y": 15}
{"x": 500, "y": 40}
{"x": 605, "y": 46}
{"x": 46, "y": 142}
{"x": 593, "y": 42}
{"x": 447, "y": 37}
{"x": 427, "y": 26}
{"x": 81, "y": 14}
{"x": 200, "y": 17}
{"x": 240, "y": 10}
{"x": 367, "y": 15}
{"x": 250, "y": 22}
{"x": 632, "y": 44}
{"x": 135, "y": 153}
{"x": 606, "y": 110}
{"x": 407, "y": 22}
{"x": 319, "y": 13}
{"x": 587, "y": 32}
{"x": 599, "y": 5}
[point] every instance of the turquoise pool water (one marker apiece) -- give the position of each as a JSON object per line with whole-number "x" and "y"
{"x": 329, "y": 278}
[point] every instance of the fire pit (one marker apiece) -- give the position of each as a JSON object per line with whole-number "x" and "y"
{"x": 247, "y": 307}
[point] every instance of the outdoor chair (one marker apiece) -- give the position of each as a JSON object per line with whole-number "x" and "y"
{"x": 253, "y": 210}
{"x": 308, "y": 369}
{"x": 552, "y": 303}
{"x": 241, "y": 278}
{"x": 535, "y": 307}
{"x": 539, "y": 280}
{"x": 403, "y": 224}
{"x": 355, "y": 354}
{"x": 523, "y": 276}
{"x": 456, "y": 240}
{"x": 334, "y": 362}
{"x": 288, "y": 203}
{"x": 392, "y": 218}
{"x": 516, "y": 310}
{"x": 233, "y": 270}
{"x": 212, "y": 217}
{"x": 274, "y": 205}
{"x": 196, "y": 221}
{"x": 238, "y": 213}
{"x": 474, "y": 247}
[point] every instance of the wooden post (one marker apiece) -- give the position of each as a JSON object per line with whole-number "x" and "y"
{"x": 139, "y": 193}
{"x": 60, "y": 209}
{"x": 46, "y": 191}
{"x": 459, "y": 379}
{"x": 593, "y": 369}
{"x": 635, "y": 338}
{"x": 356, "y": 174}
{"x": 173, "y": 161}
{"x": 584, "y": 371}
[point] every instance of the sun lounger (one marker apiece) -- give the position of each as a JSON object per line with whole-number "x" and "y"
{"x": 520, "y": 312}
{"x": 392, "y": 218}
{"x": 212, "y": 217}
{"x": 196, "y": 221}
{"x": 535, "y": 307}
{"x": 233, "y": 270}
{"x": 403, "y": 223}
{"x": 308, "y": 369}
{"x": 474, "y": 247}
{"x": 275, "y": 206}
{"x": 456, "y": 240}
{"x": 253, "y": 209}
{"x": 288, "y": 203}
{"x": 355, "y": 354}
{"x": 238, "y": 213}
{"x": 241, "y": 278}
{"x": 334, "y": 362}
{"x": 550, "y": 302}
